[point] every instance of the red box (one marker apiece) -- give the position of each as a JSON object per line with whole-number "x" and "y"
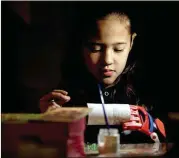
{"x": 43, "y": 139}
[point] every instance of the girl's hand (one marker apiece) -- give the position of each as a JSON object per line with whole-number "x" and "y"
{"x": 53, "y": 100}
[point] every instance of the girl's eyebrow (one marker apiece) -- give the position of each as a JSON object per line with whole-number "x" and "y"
{"x": 119, "y": 43}
{"x": 95, "y": 43}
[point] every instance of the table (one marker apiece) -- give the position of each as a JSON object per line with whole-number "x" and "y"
{"x": 137, "y": 150}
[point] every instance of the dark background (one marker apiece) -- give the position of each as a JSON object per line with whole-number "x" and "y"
{"x": 35, "y": 40}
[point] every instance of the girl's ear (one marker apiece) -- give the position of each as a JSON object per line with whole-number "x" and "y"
{"x": 132, "y": 39}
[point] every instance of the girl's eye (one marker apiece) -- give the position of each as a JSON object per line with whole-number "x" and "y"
{"x": 118, "y": 49}
{"x": 95, "y": 48}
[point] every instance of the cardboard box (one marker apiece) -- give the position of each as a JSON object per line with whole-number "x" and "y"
{"x": 42, "y": 139}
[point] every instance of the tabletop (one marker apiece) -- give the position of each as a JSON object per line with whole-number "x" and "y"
{"x": 136, "y": 150}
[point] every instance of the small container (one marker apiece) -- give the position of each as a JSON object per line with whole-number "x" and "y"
{"x": 108, "y": 141}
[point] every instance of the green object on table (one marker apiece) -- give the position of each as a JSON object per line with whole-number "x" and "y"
{"x": 91, "y": 147}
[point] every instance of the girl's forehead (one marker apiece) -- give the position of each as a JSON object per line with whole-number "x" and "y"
{"x": 110, "y": 31}
{"x": 109, "y": 21}
{"x": 112, "y": 26}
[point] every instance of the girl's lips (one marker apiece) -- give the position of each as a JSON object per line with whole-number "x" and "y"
{"x": 108, "y": 73}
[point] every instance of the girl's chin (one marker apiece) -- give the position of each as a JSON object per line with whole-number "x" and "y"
{"x": 108, "y": 81}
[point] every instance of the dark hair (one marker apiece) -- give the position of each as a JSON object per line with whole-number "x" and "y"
{"x": 89, "y": 16}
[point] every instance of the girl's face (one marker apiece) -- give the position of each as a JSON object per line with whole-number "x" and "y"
{"x": 106, "y": 52}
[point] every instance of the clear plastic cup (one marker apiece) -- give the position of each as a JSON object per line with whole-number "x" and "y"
{"x": 108, "y": 141}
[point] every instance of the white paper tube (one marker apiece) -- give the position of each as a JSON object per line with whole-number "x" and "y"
{"x": 116, "y": 114}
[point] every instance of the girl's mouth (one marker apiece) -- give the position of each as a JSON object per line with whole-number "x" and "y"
{"x": 108, "y": 73}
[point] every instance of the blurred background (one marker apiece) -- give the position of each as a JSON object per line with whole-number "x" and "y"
{"x": 35, "y": 39}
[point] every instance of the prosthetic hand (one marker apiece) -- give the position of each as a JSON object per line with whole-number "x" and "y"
{"x": 142, "y": 121}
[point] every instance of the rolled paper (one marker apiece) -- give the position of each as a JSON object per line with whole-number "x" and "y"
{"x": 116, "y": 114}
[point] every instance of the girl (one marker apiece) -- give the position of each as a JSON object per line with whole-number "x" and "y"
{"x": 106, "y": 40}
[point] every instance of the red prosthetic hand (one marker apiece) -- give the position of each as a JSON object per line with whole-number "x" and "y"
{"x": 142, "y": 121}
